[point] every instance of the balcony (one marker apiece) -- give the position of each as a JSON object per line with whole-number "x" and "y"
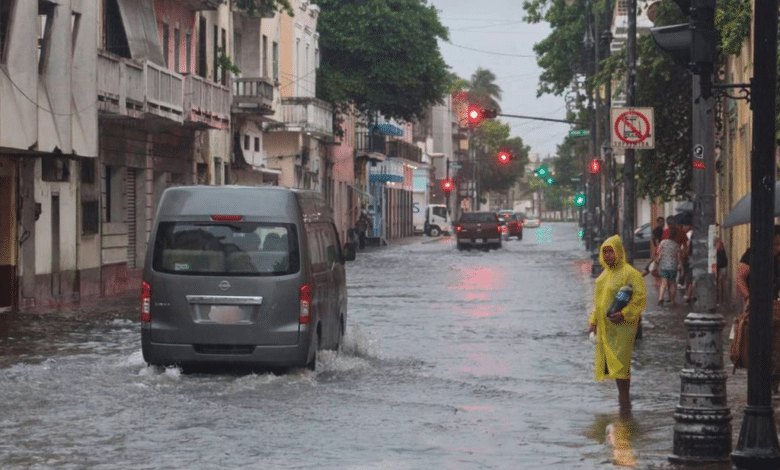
{"x": 253, "y": 98}
{"x": 138, "y": 89}
{"x": 206, "y": 104}
{"x": 405, "y": 150}
{"x": 370, "y": 143}
{"x": 133, "y": 89}
{"x": 310, "y": 115}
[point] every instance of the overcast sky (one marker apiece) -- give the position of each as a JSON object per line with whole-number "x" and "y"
{"x": 504, "y": 45}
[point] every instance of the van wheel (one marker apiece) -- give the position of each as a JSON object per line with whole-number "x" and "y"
{"x": 312, "y": 365}
{"x": 434, "y": 231}
{"x": 340, "y": 339}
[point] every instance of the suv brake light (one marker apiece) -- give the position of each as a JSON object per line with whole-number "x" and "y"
{"x": 458, "y": 228}
{"x": 306, "y": 299}
{"x": 146, "y": 302}
{"x": 227, "y": 218}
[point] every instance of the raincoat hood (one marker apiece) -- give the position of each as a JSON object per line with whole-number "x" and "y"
{"x": 617, "y": 246}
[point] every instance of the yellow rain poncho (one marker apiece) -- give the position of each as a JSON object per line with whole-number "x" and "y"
{"x": 615, "y": 342}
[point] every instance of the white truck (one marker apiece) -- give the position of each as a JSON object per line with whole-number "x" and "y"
{"x": 431, "y": 219}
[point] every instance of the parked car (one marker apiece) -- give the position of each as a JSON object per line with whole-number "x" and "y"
{"x": 512, "y": 227}
{"x": 642, "y": 237}
{"x": 478, "y": 229}
{"x": 532, "y": 221}
{"x": 243, "y": 276}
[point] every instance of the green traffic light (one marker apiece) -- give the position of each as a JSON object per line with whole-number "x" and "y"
{"x": 550, "y": 180}
{"x": 581, "y": 233}
{"x": 579, "y": 200}
{"x": 541, "y": 171}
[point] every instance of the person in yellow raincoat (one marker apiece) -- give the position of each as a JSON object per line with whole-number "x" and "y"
{"x": 615, "y": 335}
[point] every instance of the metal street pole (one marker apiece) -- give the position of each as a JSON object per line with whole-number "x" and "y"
{"x": 628, "y": 166}
{"x": 609, "y": 206}
{"x": 757, "y": 446}
{"x": 702, "y": 430}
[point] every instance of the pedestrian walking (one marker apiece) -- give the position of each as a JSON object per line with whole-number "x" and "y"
{"x": 615, "y": 334}
{"x": 362, "y": 227}
{"x": 669, "y": 259}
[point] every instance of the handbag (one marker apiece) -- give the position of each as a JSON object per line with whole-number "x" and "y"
{"x": 738, "y": 349}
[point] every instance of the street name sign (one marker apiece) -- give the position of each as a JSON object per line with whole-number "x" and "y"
{"x": 579, "y": 133}
{"x": 632, "y": 128}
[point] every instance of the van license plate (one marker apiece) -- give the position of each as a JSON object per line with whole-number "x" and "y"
{"x": 228, "y": 314}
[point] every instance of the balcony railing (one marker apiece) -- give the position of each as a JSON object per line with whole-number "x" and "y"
{"x": 253, "y": 96}
{"x": 139, "y": 89}
{"x": 206, "y": 102}
{"x": 309, "y": 115}
{"x": 405, "y": 150}
{"x": 368, "y": 142}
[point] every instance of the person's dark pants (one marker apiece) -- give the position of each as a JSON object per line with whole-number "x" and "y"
{"x": 362, "y": 238}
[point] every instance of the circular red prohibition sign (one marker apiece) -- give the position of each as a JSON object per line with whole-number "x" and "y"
{"x": 641, "y": 137}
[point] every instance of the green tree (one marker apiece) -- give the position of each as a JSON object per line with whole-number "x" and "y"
{"x": 664, "y": 172}
{"x": 382, "y": 56}
{"x": 265, "y": 8}
{"x": 495, "y": 176}
{"x": 483, "y": 90}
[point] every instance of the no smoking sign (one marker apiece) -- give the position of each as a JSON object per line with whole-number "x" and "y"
{"x": 632, "y": 128}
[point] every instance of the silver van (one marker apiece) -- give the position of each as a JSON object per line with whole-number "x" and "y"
{"x": 246, "y": 276}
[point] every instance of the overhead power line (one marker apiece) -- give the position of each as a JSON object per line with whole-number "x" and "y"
{"x": 491, "y": 52}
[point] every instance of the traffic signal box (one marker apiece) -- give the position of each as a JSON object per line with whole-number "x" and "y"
{"x": 504, "y": 157}
{"x": 579, "y": 200}
{"x": 447, "y": 185}
{"x": 595, "y": 166}
{"x": 694, "y": 45}
{"x": 476, "y": 114}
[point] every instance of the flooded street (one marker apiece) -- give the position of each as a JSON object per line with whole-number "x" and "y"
{"x": 453, "y": 360}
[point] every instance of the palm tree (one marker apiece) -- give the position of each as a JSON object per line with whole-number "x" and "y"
{"x": 483, "y": 89}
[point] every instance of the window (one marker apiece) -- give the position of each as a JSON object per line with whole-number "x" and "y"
{"x": 298, "y": 67}
{"x": 246, "y": 142}
{"x": 237, "y": 249}
{"x": 6, "y": 7}
{"x": 275, "y": 47}
{"x": 257, "y": 144}
{"x": 202, "y": 61}
{"x": 90, "y": 217}
{"x": 264, "y": 58}
{"x": 165, "y": 45}
{"x": 113, "y": 194}
{"x": 114, "y": 31}
{"x": 74, "y": 30}
{"x": 56, "y": 169}
{"x": 188, "y": 52}
{"x": 88, "y": 172}
{"x": 216, "y": 53}
{"x": 176, "y": 49}
{"x": 45, "y": 21}
{"x": 237, "y": 49}
{"x": 224, "y": 51}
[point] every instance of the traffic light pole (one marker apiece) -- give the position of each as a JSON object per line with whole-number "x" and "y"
{"x": 628, "y": 166}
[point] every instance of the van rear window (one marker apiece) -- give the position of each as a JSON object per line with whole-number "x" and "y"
{"x": 234, "y": 249}
{"x": 478, "y": 217}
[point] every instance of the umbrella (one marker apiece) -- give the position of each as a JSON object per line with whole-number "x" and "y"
{"x": 740, "y": 213}
{"x": 686, "y": 206}
{"x": 683, "y": 218}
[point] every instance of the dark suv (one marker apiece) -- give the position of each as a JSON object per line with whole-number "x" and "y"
{"x": 478, "y": 228}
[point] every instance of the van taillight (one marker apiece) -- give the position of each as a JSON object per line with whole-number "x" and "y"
{"x": 227, "y": 218}
{"x": 146, "y": 302}
{"x": 306, "y": 298}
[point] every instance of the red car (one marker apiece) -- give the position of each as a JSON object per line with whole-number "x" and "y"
{"x": 512, "y": 226}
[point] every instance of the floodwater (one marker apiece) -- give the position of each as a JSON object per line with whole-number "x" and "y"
{"x": 452, "y": 360}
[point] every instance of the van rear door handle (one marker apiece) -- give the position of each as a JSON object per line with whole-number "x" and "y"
{"x": 224, "y": 300}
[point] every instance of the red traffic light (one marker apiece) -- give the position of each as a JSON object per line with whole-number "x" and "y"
{"x": 447, "y": 185}
{"x": 595, "y": 166}
{"x": 504, "y": 157}
{"x": 476, "y": 114}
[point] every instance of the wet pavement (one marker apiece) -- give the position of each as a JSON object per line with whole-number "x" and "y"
{"x": 462, "y": 360}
